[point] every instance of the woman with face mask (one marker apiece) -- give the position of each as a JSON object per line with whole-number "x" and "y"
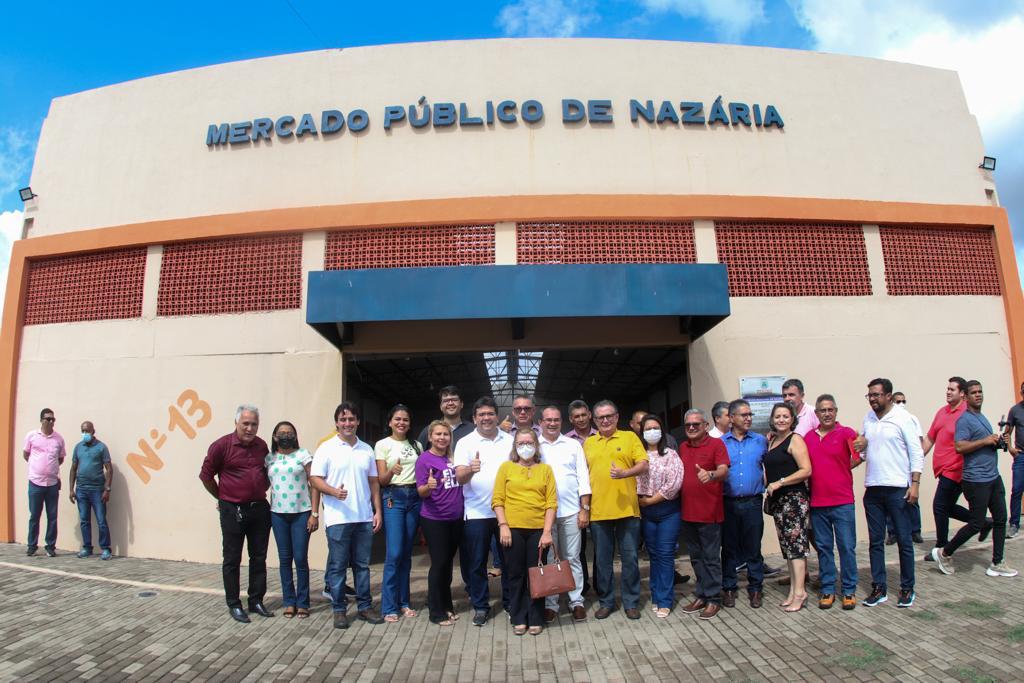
{"x": 525, "y": 502}
{"x": 294, "y": 514}
{"x": 658, "y": 494}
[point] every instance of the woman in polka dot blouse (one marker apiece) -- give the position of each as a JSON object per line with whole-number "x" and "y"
{"x": 293, "y": 516}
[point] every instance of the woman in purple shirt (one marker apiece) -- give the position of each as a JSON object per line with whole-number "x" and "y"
{"x": 440, "y": 518}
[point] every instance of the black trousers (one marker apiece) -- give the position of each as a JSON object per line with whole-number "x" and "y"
{"x": 443, "y": 538}
{"x": 945, "y": 508}
{"x": 247, "y": 523}
{"x": 989, "y": 496}
{"x": 518, "y": 559}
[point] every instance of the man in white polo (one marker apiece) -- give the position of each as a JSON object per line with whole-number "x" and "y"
{"x": 572, "y": 481}
{"x": 478, "y": 455}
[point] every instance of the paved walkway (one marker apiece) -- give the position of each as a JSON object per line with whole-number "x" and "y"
{"x": 70, "y": 619}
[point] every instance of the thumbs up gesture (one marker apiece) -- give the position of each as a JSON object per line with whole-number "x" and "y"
{"x": 474, "y": 464}
{"x": 396, "y": 468}
{"x": 703, "y": 475}
{"x": 506, "y": 424}
{"x": 341, "y": 493}
{"x": 431, "y": 481}
{"x": 616, "y": 471}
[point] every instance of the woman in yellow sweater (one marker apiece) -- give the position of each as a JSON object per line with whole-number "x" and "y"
{"x": 525, "y": 501}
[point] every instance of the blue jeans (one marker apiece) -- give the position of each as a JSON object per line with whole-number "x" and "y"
{"x": 91, "y": 500}
{"x": 838, "y": 522}
{"x": 401, "y": 521}
{"x": 476, "y": 542}
{"x": 880, "y": 501}
{"x": 741, "y": 542}
{"x": 292, "y": 539}
{"x": 1017, "y": 490}
{"x": 38, "y": 497}
{"x": 660, "y": 523}
{"x": 626, "y": 533}
{"x": 349, "y": 544}
{"x": 913, "y": 513}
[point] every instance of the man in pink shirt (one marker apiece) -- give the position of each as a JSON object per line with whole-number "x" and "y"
{"x": 830, "y": 447}
{"x": 948, "y": 465}
{"x": 44, "y": 452}
{"x": 793, "y": 394}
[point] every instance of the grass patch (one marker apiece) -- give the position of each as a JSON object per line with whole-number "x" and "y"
{"x": 923, "y": 615}
{"x": 862, "y": 655}
{"x": 966, "y": 673}
{"x": 975, "y": 608}
{"x": 1016, "y": 634}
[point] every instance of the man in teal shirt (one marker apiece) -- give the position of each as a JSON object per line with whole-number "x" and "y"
{"x": 90, "y": 488}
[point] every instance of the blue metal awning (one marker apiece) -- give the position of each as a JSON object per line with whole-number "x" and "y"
{"x": 697, "y": 293}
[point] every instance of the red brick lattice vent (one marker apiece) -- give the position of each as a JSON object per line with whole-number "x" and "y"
{"x": 606, "y": 242}
{"x": 100, "y": 286}
{"x": 410, "y": 247}
{"x": 937, "y": 261}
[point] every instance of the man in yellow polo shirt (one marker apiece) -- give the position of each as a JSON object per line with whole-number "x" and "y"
{"x": 615, "y": 457}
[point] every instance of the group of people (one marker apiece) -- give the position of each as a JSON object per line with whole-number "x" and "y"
{"x": 524, "y": 491}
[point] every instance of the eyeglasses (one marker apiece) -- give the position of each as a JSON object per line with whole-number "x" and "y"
{"x": 745, "y": 416}
{"x": 900, "y": 403}
{"x": 603, "y": 418}
{"x": 522, "y": 409}
{"x": 694, "y": 425}
{"x": 874, "y": 394}
{"x": 49, "y": 419}
{"x": 450, "y": 399}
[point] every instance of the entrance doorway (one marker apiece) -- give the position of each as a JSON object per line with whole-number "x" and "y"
{"x": 654, "y": 378}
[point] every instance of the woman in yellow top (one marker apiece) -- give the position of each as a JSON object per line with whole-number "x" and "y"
{"x": 525, "y": 501}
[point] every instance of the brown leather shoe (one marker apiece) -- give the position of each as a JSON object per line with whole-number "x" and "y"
{"x": 709, "y": 611}
{"x": 550, "y": 615}
{"x": 697, "y": 605}
{"x": 632, "y": 613}
{"x": 756, "y": 599}
{"x": 579, "y": 613}
{"x": 728, "y": 598}
{"x": 603, "y": 612}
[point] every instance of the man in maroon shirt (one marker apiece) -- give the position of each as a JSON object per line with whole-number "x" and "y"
{"x": 705, "y": 465}
{"x": 240, "y": 487}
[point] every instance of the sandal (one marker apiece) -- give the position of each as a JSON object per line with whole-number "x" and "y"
{"x": 446, "y": 622}
{"x": 452, "y": 616}
{"x": 390, "y": 618}
{"x": 288, "y": 612}
{"x": 536, "y": 630}
{"x": 519, "y": 630}
{"x": 302, "y": 613}
{"x": 494, "y": 573}
{"x": 408, "y": 612}
{"x": 662, "y": 612}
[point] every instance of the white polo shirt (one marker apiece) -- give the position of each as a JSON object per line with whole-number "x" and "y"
{"x": 338, "y": 463}
{"x": 572, "y": 477}
{"x": 894, "y": 449}
{"x": 479, "y": 491}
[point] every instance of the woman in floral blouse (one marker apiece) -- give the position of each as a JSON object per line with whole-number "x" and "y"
{"x": 293, "y": 514}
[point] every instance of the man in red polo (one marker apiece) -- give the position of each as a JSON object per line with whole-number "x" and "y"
{"x": 948, "y": 465}
{"x": 705, "y": 466}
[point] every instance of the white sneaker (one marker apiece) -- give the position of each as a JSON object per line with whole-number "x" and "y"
{"x": 945, "y": 564}
{"x": 1000, "y": 570}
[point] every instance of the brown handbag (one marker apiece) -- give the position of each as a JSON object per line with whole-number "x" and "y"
{"x": 550, "y": 579}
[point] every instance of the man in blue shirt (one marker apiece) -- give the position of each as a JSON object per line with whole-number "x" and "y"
{"x": 982, "y": 485}
{"x": 744, "y": 517}
{"x": 90, "y": 488}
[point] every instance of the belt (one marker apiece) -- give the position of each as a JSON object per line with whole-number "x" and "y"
{"x": 252, "y": 503}
{"x": 400, "y": 486}
{"x": 756, "y": 495}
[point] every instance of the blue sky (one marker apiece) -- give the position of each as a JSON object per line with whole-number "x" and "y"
{"x": 53, "y": 49}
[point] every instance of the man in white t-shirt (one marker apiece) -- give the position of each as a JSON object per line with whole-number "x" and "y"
{"x": 345, "y": 472}
{"x": 572, "y": 481}
{"x": 723, "y": 421}
{"x": 478, "y": 455}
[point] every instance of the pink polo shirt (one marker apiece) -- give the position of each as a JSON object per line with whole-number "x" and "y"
{"x": 45, "y": 455}
{"x": 946, "y": 462}
{"x": 806, "y": 420}
{"x": 831, "y": 478}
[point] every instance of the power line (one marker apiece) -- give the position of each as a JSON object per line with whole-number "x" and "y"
{"x": 305, "y": 23}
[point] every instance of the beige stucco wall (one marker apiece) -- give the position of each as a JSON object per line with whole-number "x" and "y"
{"x": 855, "y": 128}
{"x": 124, "y": 376}
{"x": 837, "y": 344}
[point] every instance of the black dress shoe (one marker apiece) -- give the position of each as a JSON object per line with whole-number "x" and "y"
{"x": 259, "y": 609}
{"x": 369, "y": 617}
{"x": 916, "y": 537}
{"x": 239, "y": 615}
{"x": 678, "y": 579}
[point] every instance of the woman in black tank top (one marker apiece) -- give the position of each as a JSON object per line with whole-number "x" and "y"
{"x": 787, "y": 467}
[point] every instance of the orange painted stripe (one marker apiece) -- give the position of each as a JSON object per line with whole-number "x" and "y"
{"x": 477, "y": 210}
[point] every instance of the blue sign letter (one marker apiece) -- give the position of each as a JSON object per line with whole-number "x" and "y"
{"x": 217, "y": 135}
{"x": 572, "y": 111}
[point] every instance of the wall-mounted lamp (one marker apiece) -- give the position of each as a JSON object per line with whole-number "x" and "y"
{"x": 988, "y": 163}
{"x": 26, "y": 194}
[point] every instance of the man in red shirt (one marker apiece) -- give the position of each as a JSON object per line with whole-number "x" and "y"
{"x": 705, "y": 466}
{"x": 948, "y": 465}
{"x": 240, "y": 487}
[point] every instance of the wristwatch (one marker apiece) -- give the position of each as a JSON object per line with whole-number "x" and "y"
{"x": 712, "y": 475}
{"x": 315, "y": 515}
{"x": 585, "y": 507}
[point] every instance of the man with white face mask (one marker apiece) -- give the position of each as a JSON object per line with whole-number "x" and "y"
{"x": 572, "y": 480}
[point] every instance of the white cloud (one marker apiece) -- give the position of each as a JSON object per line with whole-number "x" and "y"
{"x": 730, "y": 19}
{"x": 546, "y": 18}
{"x": 10, "y": 230}
{"x": 15, "y": 159}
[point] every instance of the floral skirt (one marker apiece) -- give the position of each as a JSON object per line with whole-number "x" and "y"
{"x": 792, "y": 520}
